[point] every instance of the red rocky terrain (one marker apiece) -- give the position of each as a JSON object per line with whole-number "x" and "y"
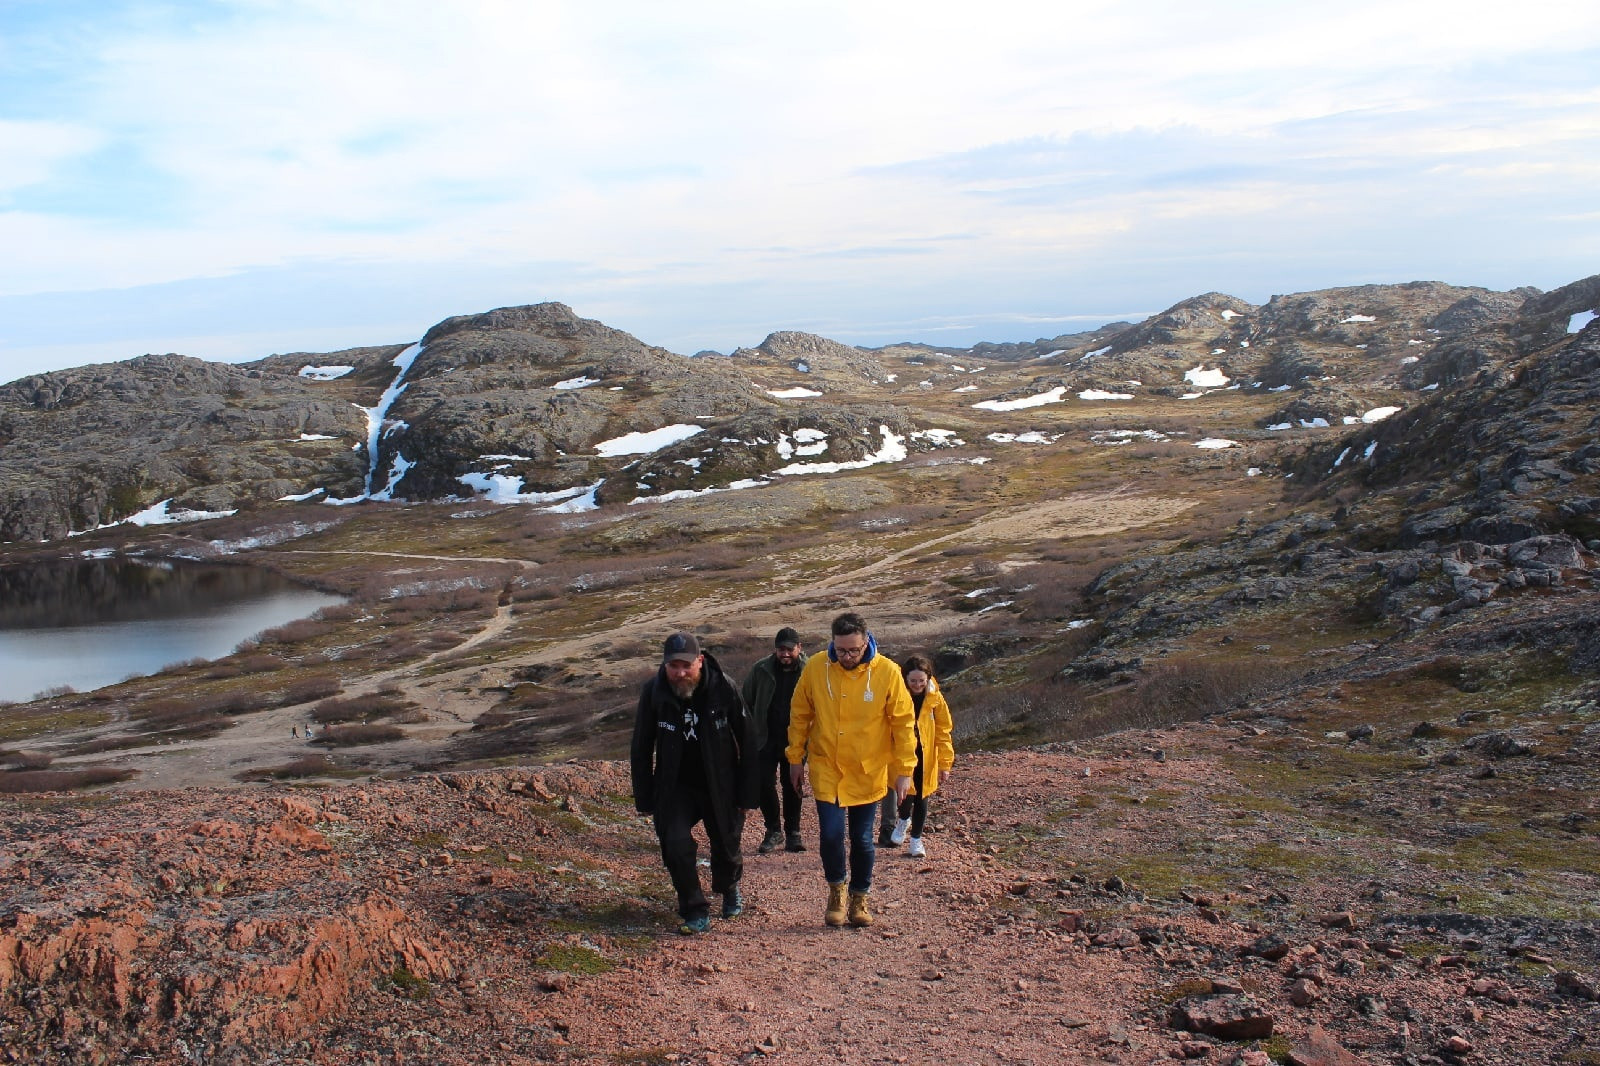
{"x": 1103, "y": 903}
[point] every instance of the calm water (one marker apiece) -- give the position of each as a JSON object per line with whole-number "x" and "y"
{"x": 96, "y": 622}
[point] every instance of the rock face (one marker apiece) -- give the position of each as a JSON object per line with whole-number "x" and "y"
{"x": 95, "y": 444}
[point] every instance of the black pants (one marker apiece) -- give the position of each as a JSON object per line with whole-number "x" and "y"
{"x": 915, "y": 805}
{"x": 675, "y": 817}
{"x": 775, "y": 775}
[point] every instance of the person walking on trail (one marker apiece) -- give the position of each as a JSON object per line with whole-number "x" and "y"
{"x": 767, "y": 692}
{"x": 936, "y": 753}
{"x": 850, "y": 732}
{"x": 694, "y": 760}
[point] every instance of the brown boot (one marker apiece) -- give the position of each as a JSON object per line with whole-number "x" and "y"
{"x": 859, "y": 915}
{"x": 835, "y": 915}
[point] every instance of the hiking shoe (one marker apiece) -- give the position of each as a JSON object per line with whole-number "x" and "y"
{"x": 859, "y": 915}
{"x": 897, "y": 836}
{"x": 887, "y": 840}
{"x": 732, "y": 903}
{"x": 691, "y": 926}
{"x": 916, "y": 850}
{"x": 794, "y": 843}
{"x": 836, "y": 908}
{"x": 771, "y": 842}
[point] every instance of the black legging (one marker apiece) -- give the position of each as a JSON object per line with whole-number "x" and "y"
{"x": 915, "y": 805}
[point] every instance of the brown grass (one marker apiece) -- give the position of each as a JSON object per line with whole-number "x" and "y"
{"x": 1165, "y": 694}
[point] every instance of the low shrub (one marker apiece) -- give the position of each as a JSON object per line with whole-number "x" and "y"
{"x": 295, "y": 632}
{"x": 349, "y": 736}
{"x": 355, "y": 708}
{"x": 310, "y": 688}
{"x": 60, "y": 780}
{"x": 309, "y": 766}
{"x": 28, "y": 760}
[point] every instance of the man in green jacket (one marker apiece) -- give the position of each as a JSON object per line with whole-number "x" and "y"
{"x": 767, "y": 692}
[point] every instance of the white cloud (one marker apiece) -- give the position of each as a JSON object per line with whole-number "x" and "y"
{"x": 707, "y": 169}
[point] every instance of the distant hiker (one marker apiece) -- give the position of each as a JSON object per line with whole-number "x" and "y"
{"x": 294, "y": 731}
{"x": 850, "y": 731}
{"x": 767, "y": 692}
{"x": 694, "y": 760}
{"x": 309, "y": 734}
{"x": 936, "y": 753}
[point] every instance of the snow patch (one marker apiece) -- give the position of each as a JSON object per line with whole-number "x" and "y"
{"x": 1216, "y": 443}
{"x": 796, "y": 393}
{"x": 1053, "y": 396}
{"x": 1033, "y": 436}
{"x": 1126, "y": 436}
{"x": 325, "y": 373}
{"x": 575, "y": 383}
{"x": 1201, "y": 378}
{"x": 1378, "y": 414}
{"x": 893, "y": 450}
{"x": 1357, "y": 318}
{"x": 643, "y": 443}
{"x": 1101, "y": 394}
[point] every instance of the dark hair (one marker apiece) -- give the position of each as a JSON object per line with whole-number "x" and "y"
{"x": 916, "y": 662}
{"x": 786, "y": 638}
{"x": 848, "y": 623}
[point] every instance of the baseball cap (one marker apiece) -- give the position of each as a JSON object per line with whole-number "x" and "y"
{"x": 681, "y": 647}
{"x": 786, "y": 638}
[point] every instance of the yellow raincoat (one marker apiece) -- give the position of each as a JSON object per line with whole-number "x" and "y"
{"x": 853, "y": 728}
{"x": 938, "y": 749}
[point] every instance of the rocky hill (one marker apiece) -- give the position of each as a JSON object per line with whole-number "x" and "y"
{"x": 1272, "y": 635}
{"x": 519, "y": 398}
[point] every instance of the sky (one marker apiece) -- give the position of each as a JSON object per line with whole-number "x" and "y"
{"x": 233, "y": 178}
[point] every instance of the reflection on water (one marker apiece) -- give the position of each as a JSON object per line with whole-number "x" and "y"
{"x": 95, "y": 622}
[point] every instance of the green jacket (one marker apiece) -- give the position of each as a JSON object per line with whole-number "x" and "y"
{"x": 758, "y": 690}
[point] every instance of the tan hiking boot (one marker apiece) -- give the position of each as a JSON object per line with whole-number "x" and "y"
{"x": 859, "y": 915}
{"x": 835, "y": 915}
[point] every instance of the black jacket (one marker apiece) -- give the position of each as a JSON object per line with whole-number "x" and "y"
{"x": 725, "y": 734}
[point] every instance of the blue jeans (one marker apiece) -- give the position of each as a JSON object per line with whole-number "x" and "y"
{"x": 831, "y": 820}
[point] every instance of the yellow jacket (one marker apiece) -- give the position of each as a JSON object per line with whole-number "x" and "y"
{"x": 853, "y": 727}
{"x": 934, "y": 726}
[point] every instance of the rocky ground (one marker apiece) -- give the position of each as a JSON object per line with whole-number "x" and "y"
{"x": 521, "y": 915}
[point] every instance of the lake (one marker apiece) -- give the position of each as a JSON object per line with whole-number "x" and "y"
{"x": 94, "y": 622}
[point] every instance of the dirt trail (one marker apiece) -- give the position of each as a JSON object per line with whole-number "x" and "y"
{"x": 448, "y": 697}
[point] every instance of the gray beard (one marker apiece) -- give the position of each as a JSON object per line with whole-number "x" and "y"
{"x": 682, "y": 690}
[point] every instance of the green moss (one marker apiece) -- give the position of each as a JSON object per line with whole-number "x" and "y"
{"x": 1197, "y": 986}
{"x": 570, "y": 958}
{"x": 403, "y": 982}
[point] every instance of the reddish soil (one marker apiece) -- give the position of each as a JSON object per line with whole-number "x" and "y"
{"x": 523, "y": 916}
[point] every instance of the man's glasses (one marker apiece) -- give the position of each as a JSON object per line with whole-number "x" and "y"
{"x": 849, "y": 652}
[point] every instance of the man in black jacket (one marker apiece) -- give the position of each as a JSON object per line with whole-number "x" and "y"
{"x": 694, "y": 760}
{"x": 767, "y": 692}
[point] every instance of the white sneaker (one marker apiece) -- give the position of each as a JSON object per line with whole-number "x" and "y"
{"x": 916, "y": 850}
{"x": 901, "y": 827}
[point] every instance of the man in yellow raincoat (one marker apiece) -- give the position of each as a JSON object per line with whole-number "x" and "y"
{"x": 850, "y": 731}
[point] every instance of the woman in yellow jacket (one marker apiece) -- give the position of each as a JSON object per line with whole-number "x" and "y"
{"x": 936, "y": 752}
{"x": 850, "y": 731}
